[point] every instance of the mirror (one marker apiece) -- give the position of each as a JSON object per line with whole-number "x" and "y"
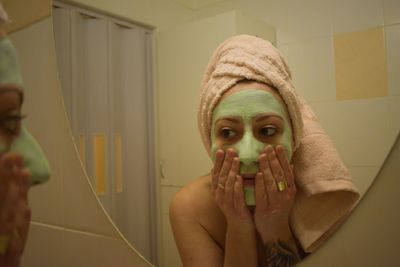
{"x": 321, "y": 41}
{"x": 68, "y": 221}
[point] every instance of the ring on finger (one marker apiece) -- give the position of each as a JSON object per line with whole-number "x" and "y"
{"x": 221, "y": 186}
{"x": 282, "y": 185}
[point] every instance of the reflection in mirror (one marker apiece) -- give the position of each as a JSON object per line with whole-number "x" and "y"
{"x": 105, "y": 73}
{"x": 278, "y": 188}
{"x": 316, "y": 50}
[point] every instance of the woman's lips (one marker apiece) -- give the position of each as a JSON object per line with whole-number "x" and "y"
{"x": 248, "y": 180}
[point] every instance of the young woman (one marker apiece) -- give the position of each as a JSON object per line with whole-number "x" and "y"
{"x": 257, "y": 205}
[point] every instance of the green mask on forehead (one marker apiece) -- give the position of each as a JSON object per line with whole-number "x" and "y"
{"x": 246, "y": 105}
{"x": 24, "y": 144}
{"x": 9, "y": 71}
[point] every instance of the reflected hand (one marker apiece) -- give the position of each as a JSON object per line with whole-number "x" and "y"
{"x": 15, "y": 214}
{"x": 275, "y": 192}
{"x": 227, "y": 188}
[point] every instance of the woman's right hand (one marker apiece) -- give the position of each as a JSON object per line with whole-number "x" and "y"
{"x": 15, "y": 213}
{"x": 227, "y": 188}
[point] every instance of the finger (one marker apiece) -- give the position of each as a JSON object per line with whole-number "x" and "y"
{"x": 219, "y": 159}
{"x": 286, "y": 167}
{"x": 269, "y": 180}
{"x": 260, "y": 192}
{"x": 230, "y": 181}
{"x": 226, "y": 166}
{"x": 239, "y": 201}
{"x": 276, "y": 168}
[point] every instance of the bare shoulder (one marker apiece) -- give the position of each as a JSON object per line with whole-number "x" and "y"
{"x": 193, "y": 199}
{"x": 194, "y": 211}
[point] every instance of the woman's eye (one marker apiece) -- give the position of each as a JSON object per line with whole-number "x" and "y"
{"x": 227, "y": 133}
{"x": 267, "y": 131}
{"x": 11, "y": 123}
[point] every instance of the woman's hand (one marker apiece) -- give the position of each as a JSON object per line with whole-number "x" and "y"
{"x": 227, "y": 188}
{"x": 275, "y": 192}
{"x": 15, "y": 214}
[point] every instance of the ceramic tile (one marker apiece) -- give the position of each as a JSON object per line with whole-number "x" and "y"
{"x": 355, "y": 15}
{"x": 391, "y": 11}
{"x": 363, "y": 177}
{"x": 170, "y": 251}
{"x": 364, "y": 131}
{"x": 312, "y": 69}
{"x": 394, "y": 117}
{"x": 44, "y": 246}
{"x": 393, "y": 58}
{"x": 360, "y": 64}
{"x": 83, "y": 249}
{"x": 307, "y": 19}
{"x": 327, "y": 114}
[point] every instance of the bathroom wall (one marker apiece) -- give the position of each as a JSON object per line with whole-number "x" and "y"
{"x": 345, "y": 61}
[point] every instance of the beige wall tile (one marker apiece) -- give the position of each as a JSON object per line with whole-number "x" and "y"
{"x": 170, "y": 251}
{"x": 392, "y": 34}
{"x": 307, "y": 19}
{"x": 84, "y": 249}
{"x": 44, "y": 246}
{"x": 363, "y": 177}
{"x": 364, "y": 131}
{"x": 312, "y": 67}
{"x": 360, "y": 64}
{"x": 391, "y": 11}
{"x": 394, "y": 116}
{"x": 355, "y": 15}
{"x": 327, "y": 113}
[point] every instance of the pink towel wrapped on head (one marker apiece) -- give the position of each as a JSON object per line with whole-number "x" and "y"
{"x": 326, "y": 192}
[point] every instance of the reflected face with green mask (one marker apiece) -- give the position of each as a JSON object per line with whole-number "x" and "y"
{"x": 14, "y": 137}
{"x": 248, "y": 117}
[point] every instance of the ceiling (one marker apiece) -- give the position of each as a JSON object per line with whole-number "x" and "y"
{"x": 196, "y": 4}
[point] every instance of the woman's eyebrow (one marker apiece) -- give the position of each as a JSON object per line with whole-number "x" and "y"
{"x": 263, "y": 116}
{"x": 232, "y": 119}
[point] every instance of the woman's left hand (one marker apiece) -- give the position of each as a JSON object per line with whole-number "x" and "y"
{"x": 15, "y": 213}
{"x": 275, "y": 192}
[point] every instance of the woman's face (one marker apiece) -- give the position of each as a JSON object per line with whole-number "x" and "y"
{"x": 248, "y": 117}
{"x": 10, "y": 117}
{"x": 15, "y": 138}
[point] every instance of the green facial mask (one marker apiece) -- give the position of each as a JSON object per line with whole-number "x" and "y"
{"x": 24, "y": 144}
{"x": 34, "y": 159}
{"x": 246, "y": 105}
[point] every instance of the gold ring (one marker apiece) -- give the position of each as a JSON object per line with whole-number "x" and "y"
{"x": 282, "y": 185}
{"x": 221, "y": 186}
{"x": 4, "y": 243}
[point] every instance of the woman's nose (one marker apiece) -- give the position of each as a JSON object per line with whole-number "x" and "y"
{"x": 249, "y": 149}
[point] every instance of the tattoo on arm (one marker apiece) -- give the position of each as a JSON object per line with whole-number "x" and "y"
{"x": 279, "y": 254}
